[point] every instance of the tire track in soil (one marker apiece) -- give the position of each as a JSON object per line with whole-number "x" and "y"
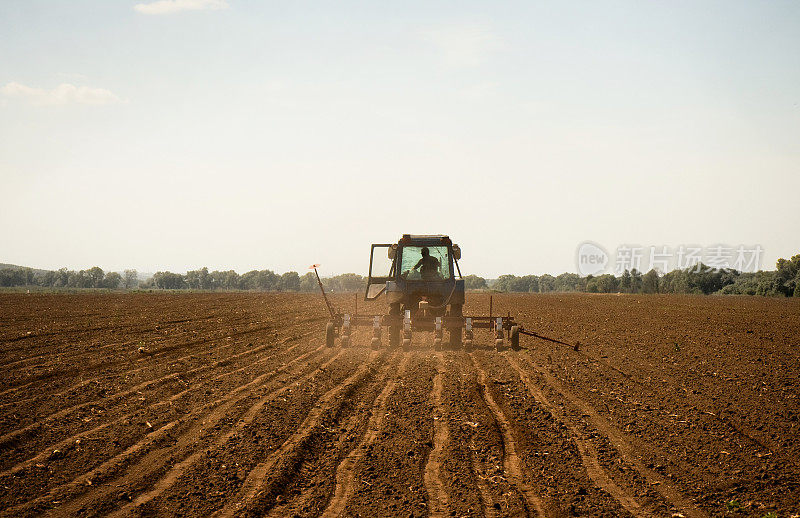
{"x": 476, "y": 464}
{"x": 12, "y": 436}
{"x": 300, "y": 506}
{"x": 587, "y": 451}
{"x": 626, "y": 448}
{"x": 511, "y": 462}
{"x": 483, "y": 488}
{"x": 437, "y": 495}
{"x": 152, "y": 460}
{"x": 66, "y": 443}
{"x": 258, "y": 479}
{"x": 345, "y": 471}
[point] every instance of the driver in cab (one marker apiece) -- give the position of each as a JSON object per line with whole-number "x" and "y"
{"x": 428, "y": 266}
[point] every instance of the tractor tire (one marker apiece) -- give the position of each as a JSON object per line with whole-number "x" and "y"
{"x": 330, "y": 335}
{"x": 513, "y": 338}
{"x": 456, "y": 310}
{"x": 394, "y": 331}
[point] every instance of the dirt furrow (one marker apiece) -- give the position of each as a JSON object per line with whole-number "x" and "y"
{"x": 43, "y": 423}
{"x": 511, "y": 461}
{"x": 77, "y": 348}
{"x": 585, "y": 448}
{"x": 437, "y": 495}
{"x": 478, "y": 467}
{"x": 153, "y": 459}
{"x": 71, "y": 391}
{"x": 345, "y": 472}
{"x": 64, "y": 445}
{"x": 258, "y": 480}
{"x": 625, "y": 445}
{"x": 175, "y": 473}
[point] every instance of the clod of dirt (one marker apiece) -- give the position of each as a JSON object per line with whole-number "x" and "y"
{"x": 57, "y": 454}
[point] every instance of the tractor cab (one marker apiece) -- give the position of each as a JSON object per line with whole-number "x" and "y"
{"x": 417, "y": 269}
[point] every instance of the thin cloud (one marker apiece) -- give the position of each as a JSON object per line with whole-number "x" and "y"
{"x": 464, "y": 45}
{"x": 174, "y": 6}
{"x": 64, "y": 93}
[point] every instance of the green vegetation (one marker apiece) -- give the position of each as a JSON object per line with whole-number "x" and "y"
{"x": 733, "y": 505}
{"x": 701, "y": 279}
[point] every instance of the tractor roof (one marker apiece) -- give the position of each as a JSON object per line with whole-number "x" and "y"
{"x": 425, "y": 239}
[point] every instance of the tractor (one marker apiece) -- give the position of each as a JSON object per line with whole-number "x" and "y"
{"x": 423, "y": 293}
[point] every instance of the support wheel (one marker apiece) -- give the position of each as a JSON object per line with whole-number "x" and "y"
{"x": 330, "y": 334}
{"x": 513, "y": 338}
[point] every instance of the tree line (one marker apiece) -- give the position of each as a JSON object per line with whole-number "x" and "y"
{"x": 700, "y": 279}
{"x": 202, "y": 279}
{"x": 255, "y": 280}
{"x": 94, "y": 277}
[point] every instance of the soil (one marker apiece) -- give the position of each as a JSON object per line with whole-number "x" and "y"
{"x": 230, "y": 404}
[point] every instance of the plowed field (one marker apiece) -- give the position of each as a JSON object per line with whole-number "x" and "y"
{"x": 231, "y": 405}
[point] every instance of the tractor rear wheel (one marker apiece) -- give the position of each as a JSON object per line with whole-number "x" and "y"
{"x": 330, "y": 334}
{"x": 394, "y": 330}
{"x": 456, "y": 310}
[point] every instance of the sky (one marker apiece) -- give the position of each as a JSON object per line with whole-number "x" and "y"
{"x": 243, "y": 134}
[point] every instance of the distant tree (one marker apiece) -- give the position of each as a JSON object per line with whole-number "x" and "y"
{"x": 227, "y": 280}
{"x": 531, "y": 282}
{"x": 605, "y": 283}
{"x": 523, "y": 284}
{"x": 473, "y": 282}
{"x": 636, "y": 281}
{"x": 290, "y": 281}
{"x": 308, "y": 282}
{"x": 47, "y": 279}
{"x": 131, "y": 279}
{"x": 787, "y": 276}
{"x": 168, "y": 281}
{"x": 347, "y": 282}
{"x": 96, "y": 276}
{"x": 547, "y": 283}
{"x": 625, "y": 282}
{"x": 505, "y": 282}
{"x": 268, "y": 280}
{"x": 568, "y": 282}
{"x": 62, "y": 278}
{"x": 9, "y": 277}
{"x": 112, "y": 281}
{"x": 200, "y": 279}
{"x": 650, "y": 282}
{"x": 79, "y": 279}
{"x": 249, "y": 280}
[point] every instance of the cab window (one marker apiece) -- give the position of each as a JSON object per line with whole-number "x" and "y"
{"x": 427, "y": 270}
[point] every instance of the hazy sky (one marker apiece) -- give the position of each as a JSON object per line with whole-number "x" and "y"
{"x": 258, "y": 134}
